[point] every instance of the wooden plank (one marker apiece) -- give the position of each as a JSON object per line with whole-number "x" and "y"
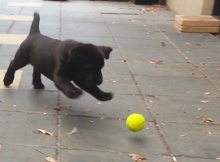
{"x": 191, "y": 29}
{"x": 199, "y": 21}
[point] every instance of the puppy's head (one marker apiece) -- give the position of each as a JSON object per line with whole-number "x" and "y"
{"x": 85, "y": 63}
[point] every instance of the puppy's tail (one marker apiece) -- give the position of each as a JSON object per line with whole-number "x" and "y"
{"x": 35, "y": 24}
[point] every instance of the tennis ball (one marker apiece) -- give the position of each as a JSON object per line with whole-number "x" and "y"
{"x": 135, "y": 122}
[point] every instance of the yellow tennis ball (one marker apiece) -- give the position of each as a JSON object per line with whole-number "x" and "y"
{"x": 135, "y": 122}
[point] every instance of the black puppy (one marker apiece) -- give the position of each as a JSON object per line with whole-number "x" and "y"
{"x": 62, "y": 62}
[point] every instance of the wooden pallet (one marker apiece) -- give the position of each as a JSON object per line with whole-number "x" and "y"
{"x": 197, "y": 24}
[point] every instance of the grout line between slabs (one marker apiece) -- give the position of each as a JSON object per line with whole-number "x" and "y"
{"x": 59, "y": 96}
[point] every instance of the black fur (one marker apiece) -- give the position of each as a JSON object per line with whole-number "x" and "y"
{"x": 62, "y": 62}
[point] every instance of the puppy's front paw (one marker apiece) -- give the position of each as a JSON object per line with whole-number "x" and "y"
{"x": 38, "y": 86}
{"x": 74, "y": 93}
{"x": 8, "y": 80}
{"x": 106, "y": 96}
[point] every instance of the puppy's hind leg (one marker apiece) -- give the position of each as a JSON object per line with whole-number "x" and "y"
{"x": 37, "y": 83}
{"x": 18, "y": 62}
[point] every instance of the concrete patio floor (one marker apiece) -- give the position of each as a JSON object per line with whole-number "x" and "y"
{"x": 172, "y": 78}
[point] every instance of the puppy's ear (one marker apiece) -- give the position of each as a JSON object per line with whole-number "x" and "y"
{"x": 106, "y": 51}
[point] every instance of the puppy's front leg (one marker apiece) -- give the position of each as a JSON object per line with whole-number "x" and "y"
{"x": 99, "y": 94}
{"x": 65, "y": 86}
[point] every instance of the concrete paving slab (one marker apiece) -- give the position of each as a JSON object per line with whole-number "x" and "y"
{"x": 4, "y": 23}
{"x": 12, "y": 38}
{"x": 95, "y": 40}
{"x": 212, "y": 70}
{"x": 37, "y": 101}
{"x": 94, "y": 156}
{"x": 112, "y": 16}
{"x": 81, "y": 17}
{"x": 189, "y": 46}
{"x": 104, "y": 132}
{"x": 119, "y": 84}
{"x": 18, "y": 128}
{"x": 68, "y": 26}
{"x": 215, "y": 81}
{"x": 26, "y": 82}
{"x": 24, "y": 4}
{"x": 116, "y": 7}
{"x": 184, "y": 109}
{"x": 203, "y": 57}
{"x": 23, "y": 27}
{"x": 118, "y": 108}
{"x": 159, "y": 15}
{"x": 15, "y": 153}
{"x": 186, "y": 159}
{"x": 116, "y": 67}
{"x": 86, "y": 33}
{"x": 10, "y": 10}
{"x": 5, "y": 62}
{"x": 149, "y": 50}
{"x": 3, "y": 29}
{"x": 197, "y": 139}
{"x": 79, "y": 6}
{"x": 137, "y": 34}
{"x": 187, "y": 37}
{"x": 49, "y": 11}
{"x": 163, "y": 69}
{"x": 115, "y": 54}
{"x": 175, "y": 86}
{"x": 132, "y": 27}
{"x": 8, "y": 50}
{"x": 15, "y": 84}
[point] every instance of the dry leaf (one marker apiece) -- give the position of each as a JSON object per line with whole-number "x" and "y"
{"x": 174, "y": 158}
{"x": 137, "y": 158}
{"x": 218, "y": 158}
{"x": 210, "y": 133}
{"x": 199, "y": 109}
{"x": 204, "y": 101}
{"x": 88, "y": 110}
{"x": 209, "y": 120}
{"x": 189, "y": 61}
{"x": 183, "y": 135}
{"x": 42, "y": 131}
{"x": 151, "y": 9}
{"x": 149, "y": 95}
{"x": 207, "y": 93}
{"x": 58, "y": 108}
{"x": 130, "y": 109}
{"x": 50, "y": 159}
{"x": 155, "y": 62}
{"x": 74, "y": 130}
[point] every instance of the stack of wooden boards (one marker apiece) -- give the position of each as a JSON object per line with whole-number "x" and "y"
{"x": 197, "y": 24}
